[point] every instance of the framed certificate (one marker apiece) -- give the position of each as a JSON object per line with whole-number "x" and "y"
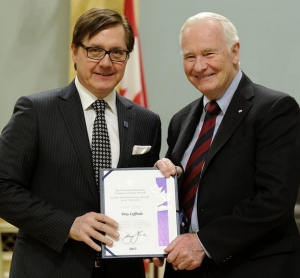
{"x": 145, "y": 205}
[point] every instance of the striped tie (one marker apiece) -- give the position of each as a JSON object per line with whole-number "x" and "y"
{"x": 196, "y": 161}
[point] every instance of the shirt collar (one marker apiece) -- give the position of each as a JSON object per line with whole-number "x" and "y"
{"x": 87, "y": 98}
{"x": 225, "y": 99}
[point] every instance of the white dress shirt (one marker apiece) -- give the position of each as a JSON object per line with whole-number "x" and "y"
{"x": 111, "y": 116}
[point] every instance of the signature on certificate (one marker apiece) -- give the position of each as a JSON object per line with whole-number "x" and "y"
{"x": 133, "y": 238}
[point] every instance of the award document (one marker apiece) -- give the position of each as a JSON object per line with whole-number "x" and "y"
{"x": 145, "y": 205}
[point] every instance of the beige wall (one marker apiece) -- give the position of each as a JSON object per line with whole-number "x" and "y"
{"x": 33, "y": 50}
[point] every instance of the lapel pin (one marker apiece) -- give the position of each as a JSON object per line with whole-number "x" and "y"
{"x": 126, "y": 124}
{"x": 240, "y": 111}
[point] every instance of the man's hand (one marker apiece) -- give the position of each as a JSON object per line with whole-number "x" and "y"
{"x": 90, "y": 226}
{"x": 185, "y": 252}
{"x": 156, "y": 261}
{"x": 167, "y": 168}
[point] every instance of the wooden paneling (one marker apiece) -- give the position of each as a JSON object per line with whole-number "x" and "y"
{"x": 5, "y": 255}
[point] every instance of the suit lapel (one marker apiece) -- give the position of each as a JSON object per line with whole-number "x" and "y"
{"x": 126, "y": 122}
{"x": 236, "y": 112}
{"x": 187, "y": 129}
{"x": 72, "y": 113}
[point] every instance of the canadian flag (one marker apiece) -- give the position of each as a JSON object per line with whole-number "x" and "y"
{"x": 132, "y": 86}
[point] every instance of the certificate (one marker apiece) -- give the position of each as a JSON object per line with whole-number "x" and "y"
{"x": 145, "y": 205}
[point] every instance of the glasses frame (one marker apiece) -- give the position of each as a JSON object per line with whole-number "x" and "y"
{"x": 106, "y": 52}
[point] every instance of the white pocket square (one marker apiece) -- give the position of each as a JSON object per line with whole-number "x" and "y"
{"x": 140, "y": 149}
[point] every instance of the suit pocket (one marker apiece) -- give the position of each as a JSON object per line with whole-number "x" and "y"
{"x": 141, "y": 160}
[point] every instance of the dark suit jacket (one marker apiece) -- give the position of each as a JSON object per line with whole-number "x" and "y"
{"x": 47, "y": 180}
{"x": 248, "y": 187}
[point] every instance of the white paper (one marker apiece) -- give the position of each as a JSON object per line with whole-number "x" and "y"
{"x": 144, "y": 203}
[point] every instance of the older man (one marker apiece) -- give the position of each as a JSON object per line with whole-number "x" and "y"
{"x": 238, "y": 147}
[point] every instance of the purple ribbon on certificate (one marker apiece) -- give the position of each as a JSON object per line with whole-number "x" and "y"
{"x": 162, "y": 216}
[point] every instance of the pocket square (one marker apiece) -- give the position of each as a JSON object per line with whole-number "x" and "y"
{"x": 140, "y": 149}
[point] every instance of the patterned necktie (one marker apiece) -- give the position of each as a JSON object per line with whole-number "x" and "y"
{"x": 101, "y": 152}
{"x": 196, "y": 161}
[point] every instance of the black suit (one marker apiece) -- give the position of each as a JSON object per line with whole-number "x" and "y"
{"x": 47, "y": 180}
{"x": 248, "y": 187}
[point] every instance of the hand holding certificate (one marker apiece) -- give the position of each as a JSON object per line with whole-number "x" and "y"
{"x": 144, "y": 203}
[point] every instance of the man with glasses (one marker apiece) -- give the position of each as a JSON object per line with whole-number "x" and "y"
{"x": 48, "y": 178}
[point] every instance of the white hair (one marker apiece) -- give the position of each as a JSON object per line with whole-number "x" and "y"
{"x": 229, "y": 31}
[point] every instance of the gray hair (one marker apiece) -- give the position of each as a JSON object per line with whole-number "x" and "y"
{"x": 229, "y": 31}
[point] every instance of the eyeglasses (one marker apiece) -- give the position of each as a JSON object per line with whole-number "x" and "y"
{"x": 97, "y": 53}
